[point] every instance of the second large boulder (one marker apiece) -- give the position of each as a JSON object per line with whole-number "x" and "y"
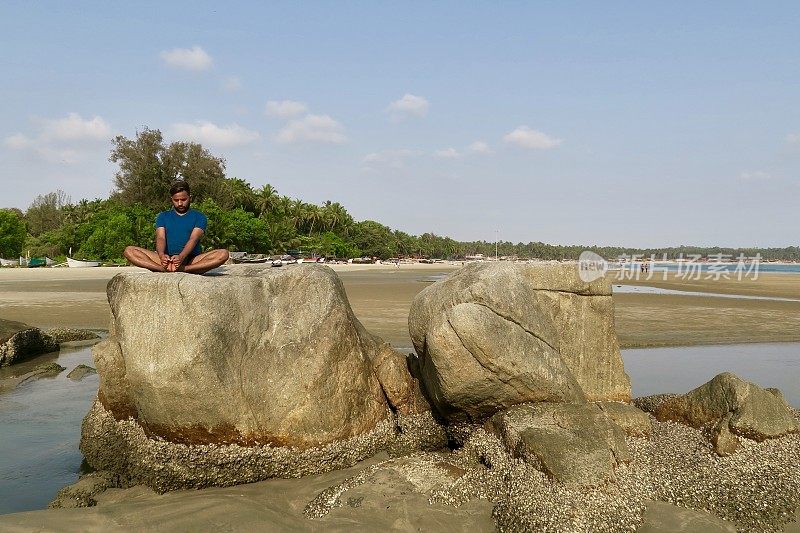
{"x": 494, "y": 335}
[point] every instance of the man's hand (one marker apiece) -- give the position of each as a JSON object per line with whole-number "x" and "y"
{"x": 165, "y": 260}
{"x": 175, "y": 263}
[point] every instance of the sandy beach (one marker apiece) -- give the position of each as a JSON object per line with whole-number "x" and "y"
{"x": 381, "y": 296}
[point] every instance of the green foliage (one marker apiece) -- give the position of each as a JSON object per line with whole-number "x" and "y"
{"x": 12, "y": 234}
{"x": 329, "y": 244}
{"x": 234, "y": 229}
{"x": 109, "y": 237}
{"x": 373, "y": 239}
{"x": 112, "y": 227}
{"x": 281, "y": 233}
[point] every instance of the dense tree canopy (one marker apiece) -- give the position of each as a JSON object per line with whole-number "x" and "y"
{"x": 12, "y": 234}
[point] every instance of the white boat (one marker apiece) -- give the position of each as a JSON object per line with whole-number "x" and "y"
{"x": 77, "y": 263}
{"x": 8, "y": 262}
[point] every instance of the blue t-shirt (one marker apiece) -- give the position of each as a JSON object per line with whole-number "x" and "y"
{"x": 179, "y": 228}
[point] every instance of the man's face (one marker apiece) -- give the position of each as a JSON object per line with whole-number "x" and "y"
{"x": 181, "y": 201}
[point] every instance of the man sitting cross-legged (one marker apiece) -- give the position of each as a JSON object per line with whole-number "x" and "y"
{"x": 178, "y": 234}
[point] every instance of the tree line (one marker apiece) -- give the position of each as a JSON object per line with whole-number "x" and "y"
{"x": 244, "y": 218}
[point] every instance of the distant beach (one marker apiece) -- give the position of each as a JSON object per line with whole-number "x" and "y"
{"x": 381, "y": 296}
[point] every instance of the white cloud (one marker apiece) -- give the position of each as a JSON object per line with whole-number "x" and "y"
{"x": 62, "y": 140}
{"x": 285, "y": 108}
{"x": 18, "y": 141}
{"x": 42, "y": 149}
{"x": 480, "y": 147}
{"x": 389, "y": 158}
{"x": 757, "y": 175}
{"x": 232, "y": 84}
{"x": 447, "y": 153}
{"x": 208, "y": 133}
{"x": 793, "y": 138}
{"x": 409, "y": 105}
{"x": 195, "y": 58}
{"x": 526, "y": 137}
{"x": 312, "y": 128}
{"x": 75, "y": 128}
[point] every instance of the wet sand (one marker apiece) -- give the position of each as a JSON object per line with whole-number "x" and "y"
{"x": 381, "y": 296}
{"x": 645, "y": 320}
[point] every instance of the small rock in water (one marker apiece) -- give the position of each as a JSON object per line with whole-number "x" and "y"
{"x": 70, "y": 334}
{"x": 20, "y": 341}
{"x": 48, "y": 369}
{"x": 80, "y": 372}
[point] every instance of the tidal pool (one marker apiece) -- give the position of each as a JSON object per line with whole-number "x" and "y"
{"x": 40, "y": 425}
{"x": 40, "y": 420}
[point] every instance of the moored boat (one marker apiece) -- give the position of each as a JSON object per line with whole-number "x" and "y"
{"x": 78, "y": 263}
{"x": 8, "y": 262}
{"x": 250, "y": 259}
{"x": 35, "y": 262}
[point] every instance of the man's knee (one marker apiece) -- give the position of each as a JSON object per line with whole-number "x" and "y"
{"x": 129, "y": 251}
{"x": 223, "y": 255}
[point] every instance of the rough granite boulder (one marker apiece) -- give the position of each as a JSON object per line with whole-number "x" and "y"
{"x": 256, "y": 358}
{"x": 749, "y": 410}
{"x": 20, "y": 341}
{"x": 571, "y": 443}
{"x": 494, "y": 335}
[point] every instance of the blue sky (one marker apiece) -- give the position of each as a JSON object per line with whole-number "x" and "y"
{"x": 630, "y": 123}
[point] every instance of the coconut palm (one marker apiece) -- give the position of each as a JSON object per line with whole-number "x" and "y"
{"x": 266, "y": 198}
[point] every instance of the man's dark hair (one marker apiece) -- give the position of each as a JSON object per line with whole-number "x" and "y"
{"x": 179, "y": 186}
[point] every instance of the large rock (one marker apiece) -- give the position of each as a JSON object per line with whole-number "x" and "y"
{"x": 571, "y": 443}
{"x": 20, "y": 341}
{"x": 633, "y": 421}
{"x": 747, "y": 410}
{"x": 494, "y": 335}
{"x": 269, "y": 358}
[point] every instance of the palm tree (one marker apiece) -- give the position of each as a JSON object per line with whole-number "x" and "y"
{"x": 296, "y": 212}
{"x": 266, "y": 198}
{"x": 313, "y": 214}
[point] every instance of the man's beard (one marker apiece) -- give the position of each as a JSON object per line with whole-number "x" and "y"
{"x": 182, "y": 209}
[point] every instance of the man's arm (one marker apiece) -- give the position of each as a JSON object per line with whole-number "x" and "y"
{"x": 161, "y": 245}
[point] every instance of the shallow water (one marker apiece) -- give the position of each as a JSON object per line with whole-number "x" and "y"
{"x": 40, "y": 425}
{"x": 644, "y": 289}
{"x": 679, "y": 370}
{"x": 40, "y": 421}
